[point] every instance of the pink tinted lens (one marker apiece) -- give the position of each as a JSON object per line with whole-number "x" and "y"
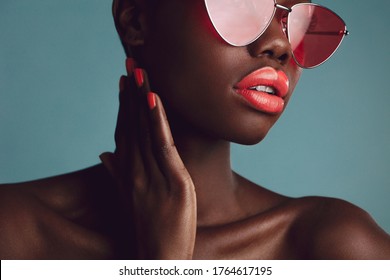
{"x": 315, "y": 33}
{"x": 240, "y": 22}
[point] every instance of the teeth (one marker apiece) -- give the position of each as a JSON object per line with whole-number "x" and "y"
{"x": 266, "y": 89}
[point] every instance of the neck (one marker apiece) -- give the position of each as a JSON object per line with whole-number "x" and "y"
{"x": 208, "y": 162}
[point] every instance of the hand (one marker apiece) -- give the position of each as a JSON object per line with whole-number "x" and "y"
{"x": 153, "y": 179}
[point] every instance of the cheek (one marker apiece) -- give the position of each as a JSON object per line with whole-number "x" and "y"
{"x": 295, "y": 75}
{"x": 187, "y": 62}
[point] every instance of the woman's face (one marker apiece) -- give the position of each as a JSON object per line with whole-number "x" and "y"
{"x": 196, "y": 73}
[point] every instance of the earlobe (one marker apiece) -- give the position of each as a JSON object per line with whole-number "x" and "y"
{"x": 130, "y": 22}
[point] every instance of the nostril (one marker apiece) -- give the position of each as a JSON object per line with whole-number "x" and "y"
{"x": 269, "y": 53}
{"x": 284, "y": 57}
{"x": 281, "y": 58}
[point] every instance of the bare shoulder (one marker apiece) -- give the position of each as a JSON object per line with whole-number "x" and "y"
{"x": 19, "y": 222}
{"x": 60, "y": 193}
{"x": 337, "y": 229}
{"x": 34, "y": 214}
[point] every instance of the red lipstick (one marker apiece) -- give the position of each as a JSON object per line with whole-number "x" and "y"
{"x": 264, "y": 89}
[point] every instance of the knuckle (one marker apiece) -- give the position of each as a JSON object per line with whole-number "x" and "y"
{"x": 184, "y": 179}
{"x": 183, "y": 187}
{"x": 166, "y": 148}
{"x": 137, "y": 183}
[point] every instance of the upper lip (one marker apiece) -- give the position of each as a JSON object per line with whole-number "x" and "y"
{"x": 266, "y": 76}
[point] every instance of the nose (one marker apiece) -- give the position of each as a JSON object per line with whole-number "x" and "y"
{"x": 273, "y": 43}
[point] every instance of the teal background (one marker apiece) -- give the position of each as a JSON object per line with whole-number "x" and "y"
{"x": 60, "y": 62}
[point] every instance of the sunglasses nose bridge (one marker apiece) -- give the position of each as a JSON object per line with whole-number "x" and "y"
{"x": 281, "y": 7}
{"x": 283, "y": 16}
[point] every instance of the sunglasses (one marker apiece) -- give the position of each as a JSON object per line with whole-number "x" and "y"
{"x": 314, "y": 32}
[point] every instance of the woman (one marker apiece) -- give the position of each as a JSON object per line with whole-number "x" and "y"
{"x": 168, "y": 191}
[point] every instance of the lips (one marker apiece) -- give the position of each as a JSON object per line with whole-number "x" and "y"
{"x": 264, "y": 90}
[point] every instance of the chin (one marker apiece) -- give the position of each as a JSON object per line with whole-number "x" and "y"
{"x": 249, "y": 138}
{"x": 249, "y": 141}
{"x": 251, "y": 132}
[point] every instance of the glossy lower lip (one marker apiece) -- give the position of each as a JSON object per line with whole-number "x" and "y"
{"x": 263, "y": 101}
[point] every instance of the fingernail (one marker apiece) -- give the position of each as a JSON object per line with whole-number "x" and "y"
{"x": 122, "y": 83}
{"x": 139, "y": 76}
{"x": 151, "y": 97}
{"x": 129, "y": 65}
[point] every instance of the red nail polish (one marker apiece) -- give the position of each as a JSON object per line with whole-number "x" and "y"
{"x": 139, "y": 76}
{"x": 122, "y": 83}
{"x": 129, "y": 65}
{"x": 151, "y": 100}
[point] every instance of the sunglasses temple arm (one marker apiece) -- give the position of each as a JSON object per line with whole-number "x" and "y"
{"x": 331, "y": 33}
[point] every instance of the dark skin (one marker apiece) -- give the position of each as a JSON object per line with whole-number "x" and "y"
{"x": 170, "y": 192}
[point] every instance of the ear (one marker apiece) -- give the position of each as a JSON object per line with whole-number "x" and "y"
{"x": 130, "y": 21}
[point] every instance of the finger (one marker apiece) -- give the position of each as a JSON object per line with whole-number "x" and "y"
{"x": 123, "y": 114}
{"x": 165, "y": 151}
{"x": 150, "y": 164}
{"x": 141, "y": 80}
{"x": 128, "y": 152}
{"x": 124, "y": 99}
